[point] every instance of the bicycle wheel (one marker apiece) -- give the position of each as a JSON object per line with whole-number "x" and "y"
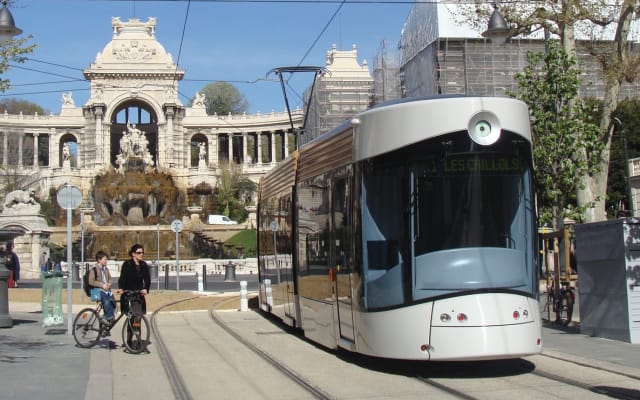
{"x": 135, "y": 333}
{"x": 86, "y": 328}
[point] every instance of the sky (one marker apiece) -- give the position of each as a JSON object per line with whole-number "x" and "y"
{"x": 234, "y": 41}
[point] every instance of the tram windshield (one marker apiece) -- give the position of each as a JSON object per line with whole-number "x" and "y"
{"x": 461, "y": 219}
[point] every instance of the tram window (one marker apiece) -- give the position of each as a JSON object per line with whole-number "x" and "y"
{"x": 382, "y": 254}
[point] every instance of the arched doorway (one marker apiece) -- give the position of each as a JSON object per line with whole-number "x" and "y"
{"x": 138, "y": 118}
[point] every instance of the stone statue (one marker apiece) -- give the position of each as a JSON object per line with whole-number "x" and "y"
{"x": 202, "y": 151}
{"x": 20, "y": 202}
{"x": 198, "y": 101}
{"x": 134, "y": 145}
{"x": 66, "y": 152}
{"x": 67, "y": 99}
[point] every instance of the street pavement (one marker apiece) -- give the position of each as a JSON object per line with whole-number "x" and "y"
{"x": 45, "y": 363}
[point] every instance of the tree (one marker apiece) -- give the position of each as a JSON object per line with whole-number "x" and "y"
{"x": 234, "y": 192}
{"x": 223, "y": 98}
{"x": 561, "y": 126}
{"x": 17, "y": 106}
{"x": 12, "y": 51}
{"x": 625, "y": 144}
{"x": 619, "y": 62}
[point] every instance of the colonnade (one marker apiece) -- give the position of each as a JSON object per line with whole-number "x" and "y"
{"x": 243, "y": 152}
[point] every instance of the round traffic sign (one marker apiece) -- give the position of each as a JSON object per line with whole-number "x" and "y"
{"x": 273, "y": 226}
{"x": 177, "y": 225}
{"x": 69, "y": 197}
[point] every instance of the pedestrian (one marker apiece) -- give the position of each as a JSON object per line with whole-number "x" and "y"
{"x": 57, "y": 266}
{"x": 13, "y": 264}
{"x": 43, "y": 262}
{"x": 134, "y": 275}
{"x": 100, "y": 277}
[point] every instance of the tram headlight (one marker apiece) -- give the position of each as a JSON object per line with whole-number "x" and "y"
{"x": 445, "y": 317}
{"x": 484, "y": 128}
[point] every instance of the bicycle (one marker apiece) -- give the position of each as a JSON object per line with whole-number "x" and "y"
{"x": 563, "y": 304}
{"x": 88, "y": 327}
{"x": 560, "y": 302}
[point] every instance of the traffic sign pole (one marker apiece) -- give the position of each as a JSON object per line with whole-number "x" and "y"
{"x": 69, "y": 197}
{"x": 176, "y": 226}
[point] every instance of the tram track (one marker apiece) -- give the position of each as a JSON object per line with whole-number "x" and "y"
{"x": 467, "y": 381}
{"x": 176, "y": 380}
{"x": 288, "y": 372}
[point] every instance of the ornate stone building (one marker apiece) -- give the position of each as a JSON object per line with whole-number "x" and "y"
{"x": 134, "y": 90}
{"x": 134, "y": 121}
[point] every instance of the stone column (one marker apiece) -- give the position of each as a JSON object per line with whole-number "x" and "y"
{"x": 20, "y": 145}
{"x": 100, "y": 137}
{"x": 259, "y": 147}
{"x": 285, "y": 141}
{"x": 230, "y": 144}
{"x": 169, "y": 114}
{"x": 273, "y": 146}
{"x": 244, "y": 148}
{"x": 5, "y": 151}
{"x": 35, "y": 150}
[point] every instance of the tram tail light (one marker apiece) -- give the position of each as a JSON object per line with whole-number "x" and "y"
{"x": 516, "y": 314}
{"x": 462, "y": 317}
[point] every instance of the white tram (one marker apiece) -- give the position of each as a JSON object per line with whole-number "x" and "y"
{"x": 408, "y": 232}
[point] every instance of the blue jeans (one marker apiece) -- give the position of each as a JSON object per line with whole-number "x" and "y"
{"x": 108, "y": 305}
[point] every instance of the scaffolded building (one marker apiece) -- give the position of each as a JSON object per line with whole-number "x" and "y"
{"x": 341, "y": 92}
{"x": 434, "y": 64}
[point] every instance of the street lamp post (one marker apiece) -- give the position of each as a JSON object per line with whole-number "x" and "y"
{"x": 8, "y": 27}
{"x": 498, "y": 29}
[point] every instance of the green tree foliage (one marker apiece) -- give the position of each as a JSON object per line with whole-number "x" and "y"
{"x": 12, "y": 51}
{"x": 17, "y": 106}
{"x": 222, "y": 98}
{"x": 234, "y": 192}
{"x": 626, "y": 124}
{"x": 562, "y": 125}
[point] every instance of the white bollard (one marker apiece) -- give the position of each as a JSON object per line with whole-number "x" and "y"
{"x": 269, "y": 293}
{"x": 244, "y": 304}
{"x": 200, "y": 284}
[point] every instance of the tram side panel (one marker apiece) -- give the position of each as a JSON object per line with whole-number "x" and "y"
{"x": 314, "y": 268}
{"x": 275, "y": 257}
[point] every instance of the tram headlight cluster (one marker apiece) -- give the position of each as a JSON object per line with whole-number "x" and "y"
{"x": 484, "y": 128}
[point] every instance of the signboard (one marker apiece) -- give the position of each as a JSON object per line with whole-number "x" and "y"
{"x": 69, "y": 197}
{"x": 177, "y": 225}
{"x": 273, "y": 226}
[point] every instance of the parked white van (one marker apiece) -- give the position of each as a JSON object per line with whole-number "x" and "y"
{"x": 215, "y": 219}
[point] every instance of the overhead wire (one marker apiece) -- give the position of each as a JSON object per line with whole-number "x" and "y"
{"x": 184, "y": 27}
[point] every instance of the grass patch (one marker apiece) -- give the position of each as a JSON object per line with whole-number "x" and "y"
{"x": 245, "y": 241}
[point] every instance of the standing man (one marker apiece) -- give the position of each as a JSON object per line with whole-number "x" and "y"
{"x": 13, "y": 264}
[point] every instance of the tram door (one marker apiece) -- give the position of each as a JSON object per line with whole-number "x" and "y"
{"x": 341, "y": 215}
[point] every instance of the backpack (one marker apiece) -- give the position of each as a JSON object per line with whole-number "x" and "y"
{"x": 85, "y": 280}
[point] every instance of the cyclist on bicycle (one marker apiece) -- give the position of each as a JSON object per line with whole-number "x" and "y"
{"x": 135, "y": 276}
{"x": 100, "y": 277}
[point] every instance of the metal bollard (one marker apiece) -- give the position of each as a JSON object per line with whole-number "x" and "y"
{"x": 244, "y": 304}
{"x": 204, "y": 276}
{"x": 200, "y": 283}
